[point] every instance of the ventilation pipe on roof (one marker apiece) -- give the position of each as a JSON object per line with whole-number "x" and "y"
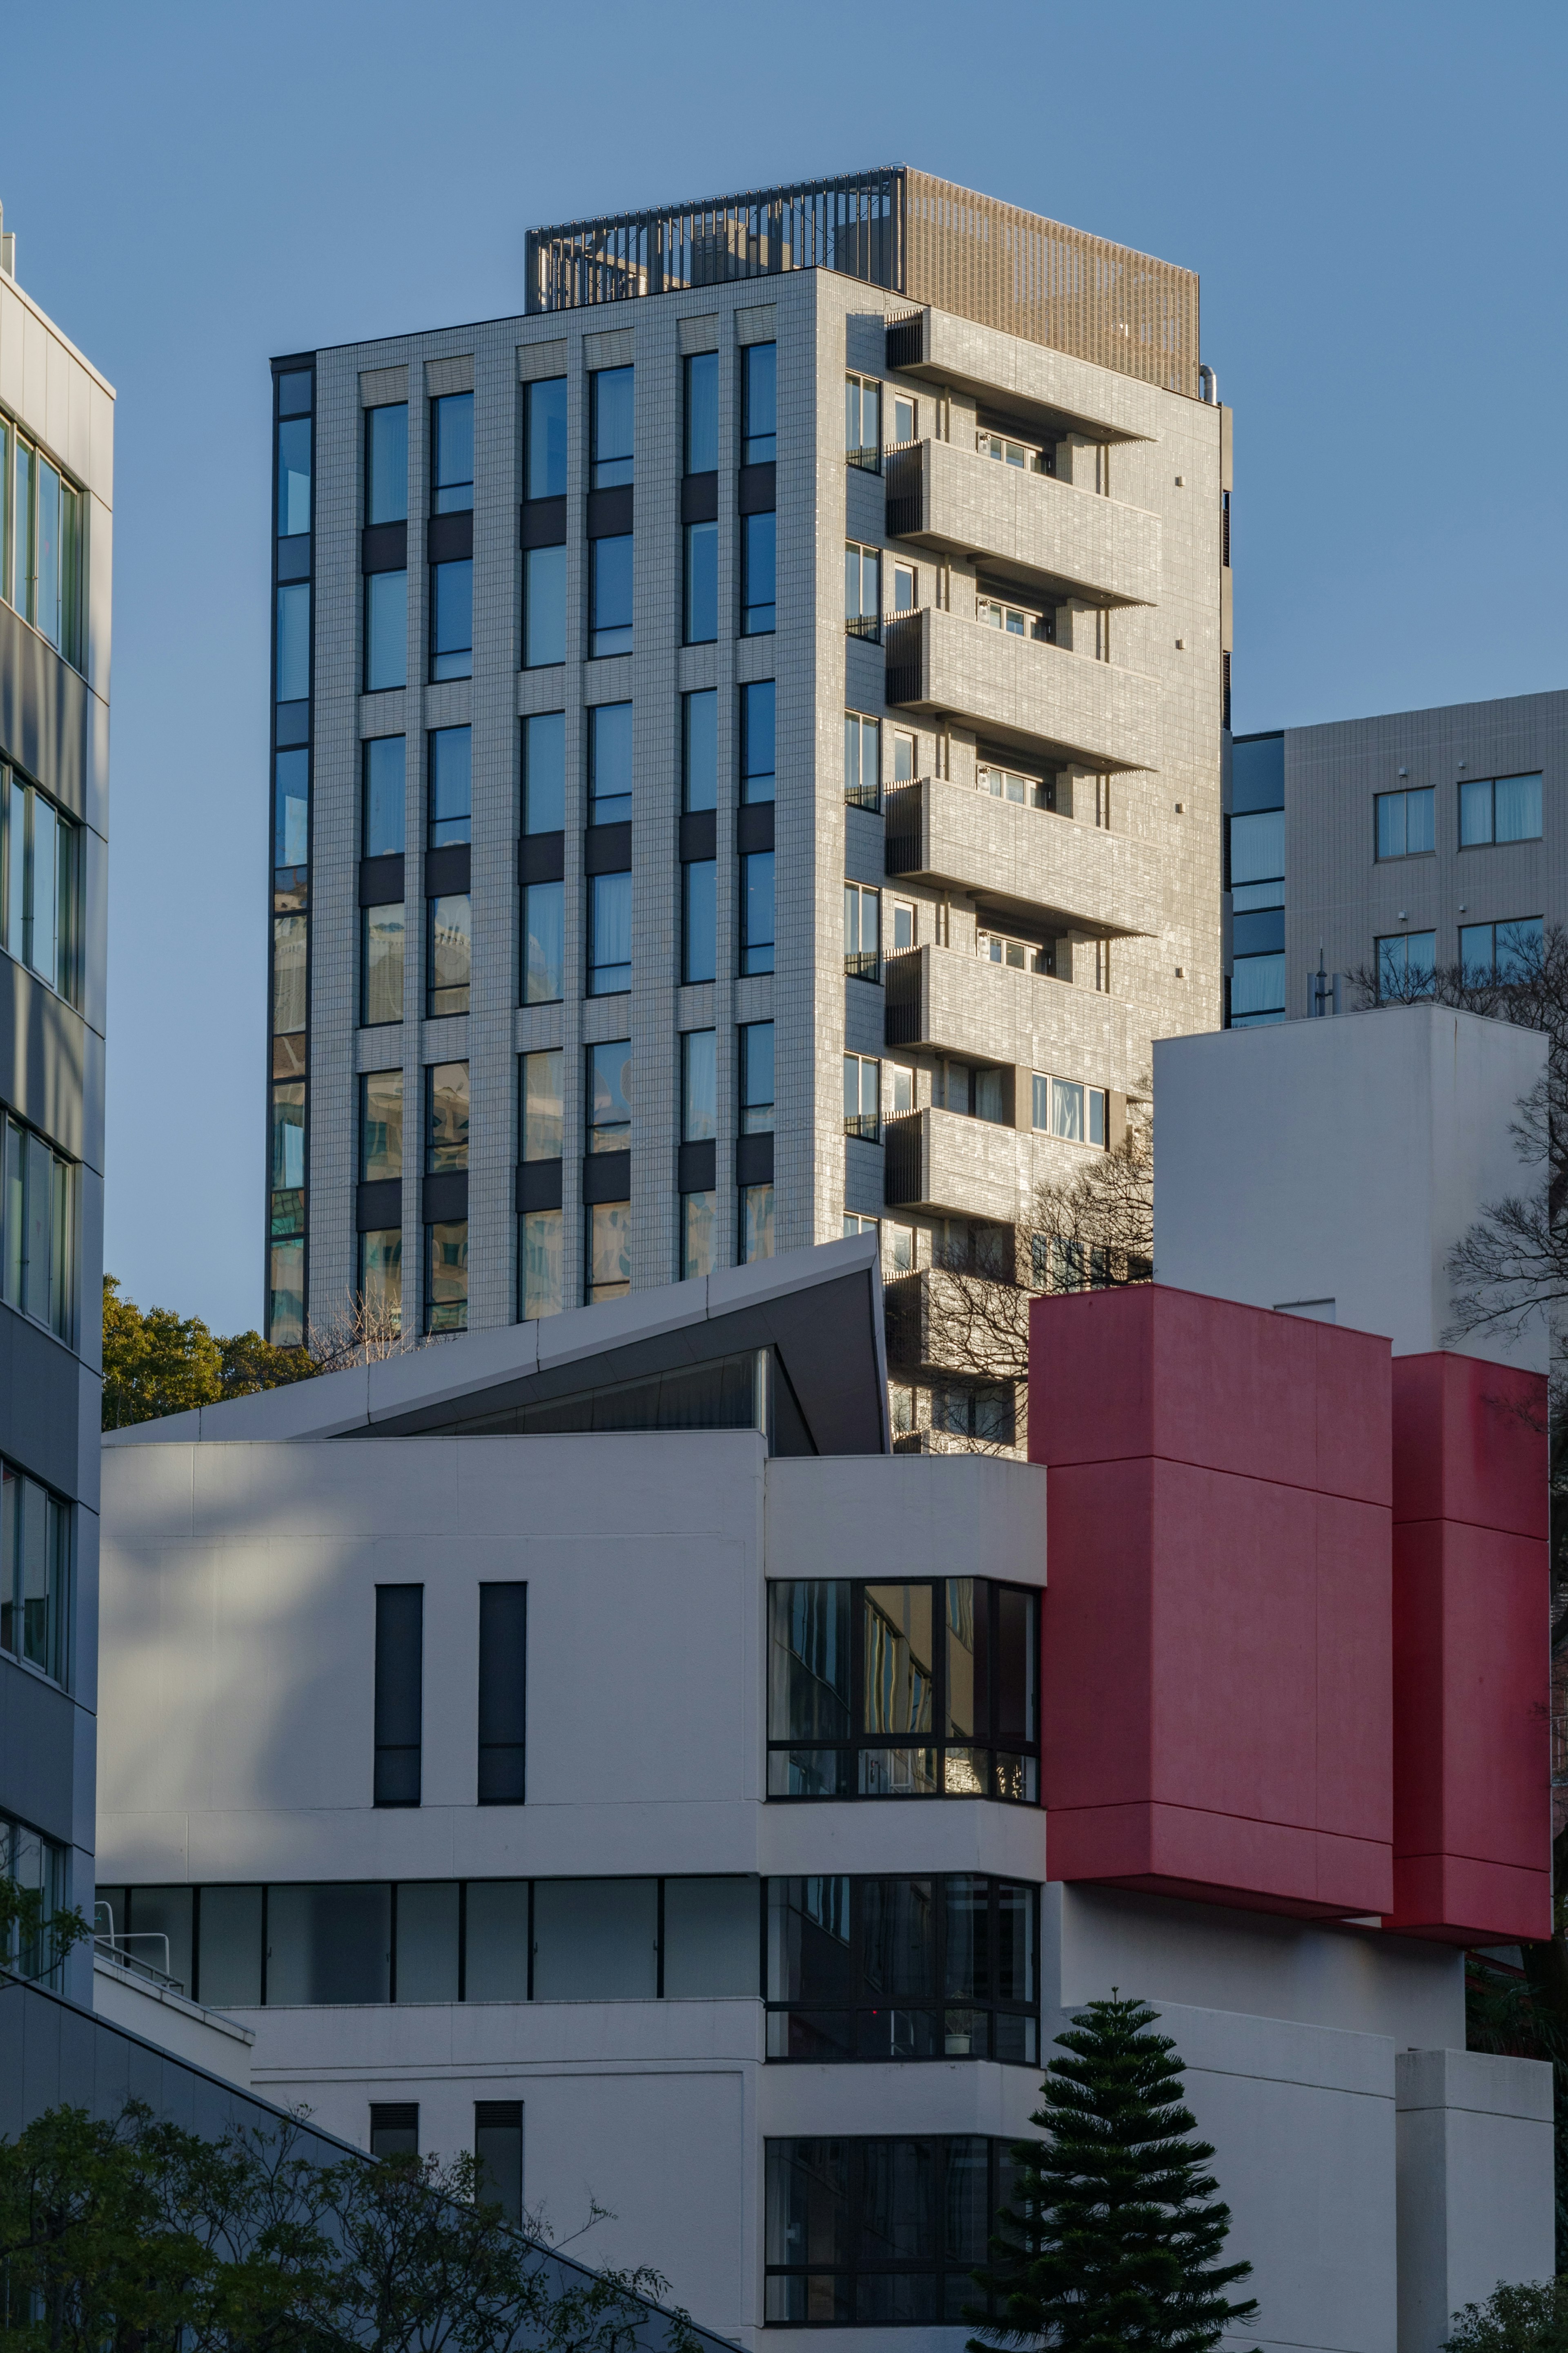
{"x": 1208, "y": 385}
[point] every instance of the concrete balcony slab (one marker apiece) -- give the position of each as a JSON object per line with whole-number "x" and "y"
{"x": 947, "y": 497}
{"x": 949, "y": 1001}
{"x": 1005, "y": 854}
{"x": 1016, "y": 690}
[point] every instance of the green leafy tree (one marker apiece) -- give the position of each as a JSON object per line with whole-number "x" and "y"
{"x": 155, "y": 1361}
{"x": 138, "y": 2236}
{"x": 1530, "y": 2318}
{"x": 1112, "y": 2234}
{"x": 32, "y": 1940}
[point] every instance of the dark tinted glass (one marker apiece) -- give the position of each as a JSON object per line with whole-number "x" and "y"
{"x": 383, "y": 778}
{"x": 386, "y": 464}
{"x": 1257, "y": 773}
{"x": 451, "y": 786}
{"x": 452, "y": 452}
{"x": 702, "y": 413}
{"x": 399, "y": 1642}
{"x": 759, "y": 362}
{"x": 612, "y": 406}
{"x": 610, "y": 763}
{"x": 757, "y": 741}
{"x": 700, "y": 750}
{"x": 503, "y": 1629}
{"x": 546, "y": 433}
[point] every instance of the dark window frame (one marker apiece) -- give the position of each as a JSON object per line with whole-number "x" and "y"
{"x": 837, "y": 2293}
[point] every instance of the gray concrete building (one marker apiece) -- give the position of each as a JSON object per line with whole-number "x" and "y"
{"x": 1393, "y": 845}
{"x": 746, "y": 758}
{"x": 57, "y": 493}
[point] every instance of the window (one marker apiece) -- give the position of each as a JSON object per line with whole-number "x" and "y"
{"x": 609, "y": 934}
{"x": 699, "y": 1222}
{"x": 960, "y": 1087}
{"x": 446, "y": 1118}
{"x": 286, "y": 1292}
{"x": 906, "y": 414}
{"x": 862, "y": 932}
{"x": 1256, "y": 846}
{"x": 399, "y": 1647}
{"x": 385, "y": 632}
{"x": 381, "y": 1276}
{"x": 862, "y": 761}
{"x": 862, "y": 590}
{"x": 35, "y": 1574}
{"x": 757, "y": 911}
{"x": 1256, "y": 991}
{"x": 41, "y": 545}
{"x": 1014, "y": 620}
{"x": 37, "y": 1230}
{"x": 854, "y": 1224}
{"x": 1406, "y": 825}
{"x": 293, "y": 680}
{"x": 610, "y": 1096}
{"x": 287, "y": 1155}
{"x": 863, "y": 1097}
{"x": 544, "y": 606}
{"x": 1006, "y": 451}
{"x": 1010, "y": 785}
{"x": 880, "y": 2231}
{"x": 291, "y": 818}
{"x": 901, "y": 1088}
{"x": 611, "y": 413}
{"x": 288, "y": 975}
{"x": 541, "y": 1268}
{"x": 701, "y": 370}
{"x": 900, "y": 1247}
{"x": 702, "y": 600}
{"x": 450, "y": 952}
{"x": 941, "y": 1967}
{"x": 42, "y": 858}
{"x": 386, "y": 464}
{"x": 380, "y": 965}
{"x": 1257, "y": 853}
{"x": 451, "y": 786}
{"x": 903, "y": 927}
{"x": 544, "y": 772}
{"x": 447, "y": 1276}
{"x": 544, "y": 1105}
{"x": 610, "y": 595}
{"x": 863, "y": 420}
{"x": 919, "y": 1690}
{"x": 1501, "y": 808}
{"x": 1066, "y": 1108}
{"x": 699, "y": 920}
{"x": 700, "y": 1085}
{"x": 544, "y": 429}
{"x": 503, "y": 1685}
{"x": 1023, "y": 956}
{"x": 543, "y": 942}
{"x": 452, "y": 620}
{"x": 498, "y": 2154}
{"x": 756, "y": 1223}
{"x": 609, "y": 763}
{"x": 452, "y": 458}
{"x": 905, "y": 588}
{"x": 382, "y": 785}
{"x": 757, "y": 1078}
{"x": 905, "y": 756}
{"x": 978, "y": 1411}
{"x": 1502, "y": 952}
{"x": 757, "y": 741}
{"x": 293, "y": 477}
{"x": 395, "y": 2128}
{"x": 700, "y": 750}
{"x": 1405, "y": 963}
{"x": 609, "y": 1250}
{"x": 759, "y": 404}
{"x": 37, "y": 1864}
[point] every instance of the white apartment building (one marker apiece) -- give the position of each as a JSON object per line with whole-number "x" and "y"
{"x": 586, "y": 1742}
{"x": 746, "y": 756}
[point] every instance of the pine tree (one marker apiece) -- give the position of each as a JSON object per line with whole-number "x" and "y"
{"x": 1110, "y": 2239}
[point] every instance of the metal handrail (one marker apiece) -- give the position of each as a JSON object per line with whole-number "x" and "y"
{"x": 864, "y": 625}
{"x": 867, "y": 1125}
{"x": 865, "y": 796}
{"x": 869, "y": 457}
{"x": 863, "y": 964}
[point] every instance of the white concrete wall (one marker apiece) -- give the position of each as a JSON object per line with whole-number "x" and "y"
{"x": 208, "y": 2038}
{"x": 1475, "y": 2206}
{"x": 1334, "y": 1164}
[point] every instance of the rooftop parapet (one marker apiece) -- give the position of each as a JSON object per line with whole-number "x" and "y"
{"x": 934, "y": 243}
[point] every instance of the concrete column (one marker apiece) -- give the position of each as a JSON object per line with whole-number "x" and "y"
{"x": 1474, "y": 2193}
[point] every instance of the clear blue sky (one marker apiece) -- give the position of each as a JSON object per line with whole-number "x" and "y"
{"x": 1373, "y": 196}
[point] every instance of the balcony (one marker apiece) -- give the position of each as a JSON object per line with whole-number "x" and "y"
{"x": 951, "y": 1001}
{"x": 1020, "y": 691}
{"x": 926, "y": 1312}
{"x": 956, "y": 1166}
{"x": 946, "y": 833}
{"x": 956, "y": 500}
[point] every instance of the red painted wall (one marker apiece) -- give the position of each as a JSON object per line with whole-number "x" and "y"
{"x": 1217, "y": 1671}
{"x": 1471, "y": 1752}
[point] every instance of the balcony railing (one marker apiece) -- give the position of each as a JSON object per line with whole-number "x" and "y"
{"x": 864, "y": 625}
{"x": 863, "y": 964}
{"x": 905, "y": 478}
{"x": 868, "y": 460}
{"x": 866, "y": 1124}
{"x": 863, "y": 795}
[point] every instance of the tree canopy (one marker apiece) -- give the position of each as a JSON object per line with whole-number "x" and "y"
{"x": 156, "y": 1362}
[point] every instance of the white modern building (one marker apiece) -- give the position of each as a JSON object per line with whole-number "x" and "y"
{"x": 746, "y": 758}
{"x": 584, "y": 1741}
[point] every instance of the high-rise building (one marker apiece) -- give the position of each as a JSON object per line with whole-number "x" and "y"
{"x": 1368, "y": 853}
{"x": 56, "y": 451}
{"x": 747, "y": 756}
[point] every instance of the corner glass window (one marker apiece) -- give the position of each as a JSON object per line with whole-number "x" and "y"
{"x": 290, "y": 815}
{"x": 293, "y": 477}
{"x": 611, "y": 407}
{"x": 386, "y": 464}
{"x": 452, "y": 453}
{"x": 293, "y": 681}
{"x": 921, "y": 1690}
{"x": 545, "y": 433}
{"x": 873, "y": 2232}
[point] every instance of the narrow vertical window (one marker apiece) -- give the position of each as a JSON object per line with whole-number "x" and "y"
{"x": 385, "y": 631}
{"x": 543, "y": 1107}
{"x": 759, "y": 404}
{"x": 610, "y": 1096}
{"x": 610, "y": 595}
{"x": 611, "y": 407}
{"x": 382, "y": 836}
{"x": 294, "y": 642}
{"x": 293, "y": 477}
{"x": 540, "y": 1280}
{"x": 702, "y": 600}
{"x": 450, "y": 953}
{"x": 452, "y": 620}
{"x": 544, "y": 772}
{"x": 757, "y": 911}
{"x": 291, "y": 818}
{"x": 545, "y": 433}
{"x": 545, "y": 607}
{"x": 399, "y": 1688}
{"x": 609, "y": 934}
{"x": 452, "y": 453}
{"x": 451, "y": 786}
{"x": 447, "y": 1276}
{"x": 543, "y": 942}
{"x": 700, "y": 1086}
{"x": 381, "y": 967}
{"x": 758, "y": 548}
{"x": 699, "y": 920}
{"x": 757, "y": 1078}
{"x": 498, "y": 2153}
{"x": 702, "y": 413}
{"x": 757, "y": 741}
{"x": 609, "y": 763}
{"x": 504, "y": 1629}
{"x": 386, "y": 464}
{"x": 700, "y": 750}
